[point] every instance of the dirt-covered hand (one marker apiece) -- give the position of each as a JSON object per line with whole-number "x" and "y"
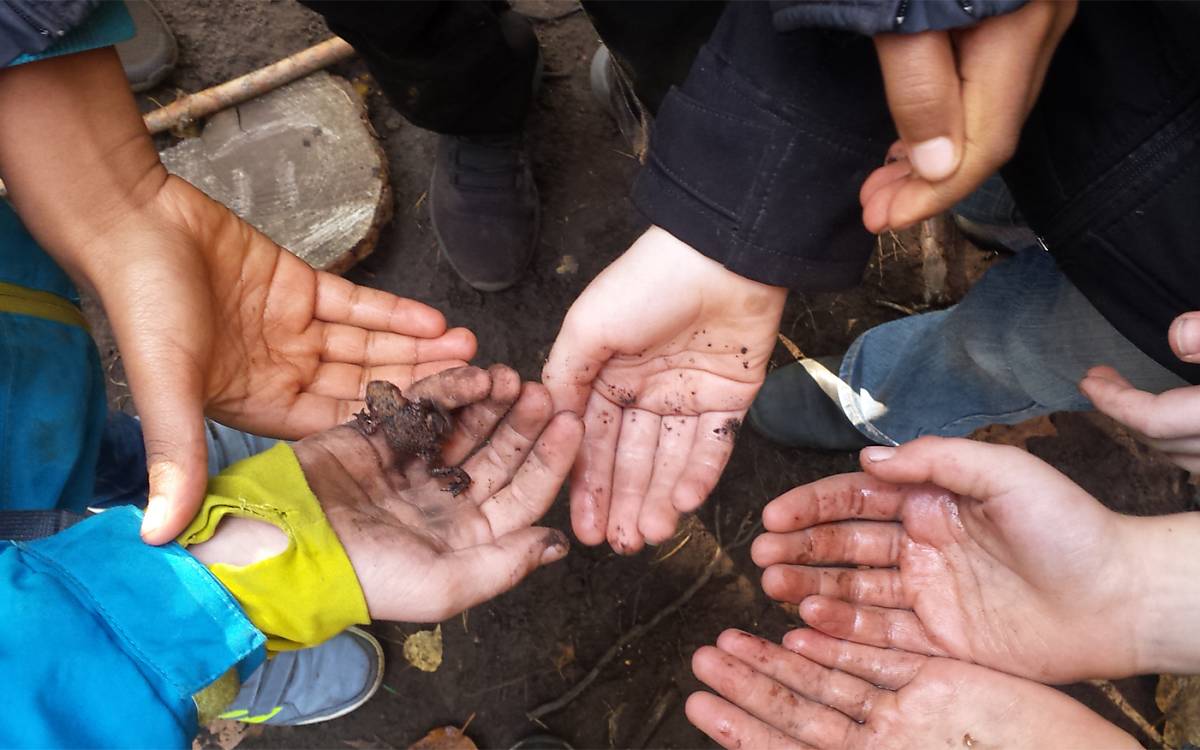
{"x": 959, "y": 100}
{"x": 821, "y": 693}
{"x": 1169, "y": 421}
{"x": 421, "y": 553}
{"x": 662, "y": 355}
{"x": 975, "y": 551}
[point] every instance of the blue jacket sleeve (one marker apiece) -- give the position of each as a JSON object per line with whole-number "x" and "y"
{"x": 107, "y": 641}
{"x": 35, "y": 30}
{"x": 871, "y": 17}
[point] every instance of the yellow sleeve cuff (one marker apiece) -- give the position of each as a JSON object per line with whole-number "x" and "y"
{"x": 306, "y": 594}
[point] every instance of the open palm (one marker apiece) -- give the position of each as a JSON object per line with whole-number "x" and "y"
{"x": 421, "y": 553}
{"x": 1023, "y": 571}
{"x": 820, "y": 693}
{"x": 662, "y": 355}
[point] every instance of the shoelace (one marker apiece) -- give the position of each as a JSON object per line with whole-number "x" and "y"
{"x": 490, "y": 162}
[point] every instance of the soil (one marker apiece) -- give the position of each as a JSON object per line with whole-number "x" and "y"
{"x": 532, "y": 645}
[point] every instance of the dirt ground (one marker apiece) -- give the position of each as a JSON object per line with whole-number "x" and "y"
{"x": 532, "y": 645}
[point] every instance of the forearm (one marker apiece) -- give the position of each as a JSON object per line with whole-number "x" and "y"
{"x": 1165, "y": 632}
{"x": 74, "y": 152}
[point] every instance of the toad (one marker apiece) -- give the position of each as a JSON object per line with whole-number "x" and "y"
{"x": 413, "y": 428}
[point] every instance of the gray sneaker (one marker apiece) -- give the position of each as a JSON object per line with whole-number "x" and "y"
{"x": 150, "y": 55}
{"x": 312, "y": 684}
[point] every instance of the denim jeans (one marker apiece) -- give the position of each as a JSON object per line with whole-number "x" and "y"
{"x": 1015, "y": 347}
{"x": 121, "y": 469}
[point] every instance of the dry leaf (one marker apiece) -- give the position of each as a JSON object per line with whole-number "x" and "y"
{"x": 444, "y": 738}
{"x": 566, "y": 656}
{"x": 423, "y": 649}
{"x": 568, "y": 265}
{"x": 1178, "y": 696}
{"x": 226, "y": 733}
{"x": 1016, "y": 434}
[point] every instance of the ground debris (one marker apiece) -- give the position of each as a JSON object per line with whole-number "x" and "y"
{"x": 444, "y": 738}
{"x": 1178, "y": 696}
{"x": 423, "y": 649}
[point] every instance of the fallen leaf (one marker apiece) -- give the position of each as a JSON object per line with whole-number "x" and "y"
{"x": 1016, "y": 434}
{"x": 1178, "y": 696}
{"x": 568, "y": 265}
{"x": 444, "y": 738}
{"x": 225, "y": 733}
{"x": 423, "y": 649}
{"x": 566, "y": 655}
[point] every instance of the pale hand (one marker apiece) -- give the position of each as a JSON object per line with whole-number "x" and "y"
{"x": 1021, "y": 570}
{"x": 661, "y": 355}
{"x": 820, "y": 693}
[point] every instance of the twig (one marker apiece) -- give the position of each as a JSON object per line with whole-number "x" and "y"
{"x": 791, "y": 347}
{"x": 553, "y": 16}
{"x": 895, "y": 306}
{"x": 662, "y": 704}
{"x": 1113, "y": 694}
{"x": 676, "y": 548}
{"x": 710, "y": 568}
{"x": 203, "y": 103}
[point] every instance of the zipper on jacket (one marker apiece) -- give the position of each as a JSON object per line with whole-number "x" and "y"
{"x": 901, "y": 12}
{"x": 39, "y": 26}
{"x": 967, "y": 6}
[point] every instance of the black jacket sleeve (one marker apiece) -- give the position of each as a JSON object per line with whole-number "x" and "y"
{"x": 757, "y": 159}
{"x": 32, "y": 26}
{"x": 872, "y": 17}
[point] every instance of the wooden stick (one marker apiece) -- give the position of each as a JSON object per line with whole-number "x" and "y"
{"x": 1114, "y": 695}
{"x": 243, "y": 88}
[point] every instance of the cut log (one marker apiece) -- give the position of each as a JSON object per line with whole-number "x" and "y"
{"x": 301, "y": 164}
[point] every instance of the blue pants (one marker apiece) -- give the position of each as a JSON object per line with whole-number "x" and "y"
{"x": 1015, "y": 347}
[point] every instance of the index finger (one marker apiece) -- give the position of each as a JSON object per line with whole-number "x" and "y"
{"x": 452, "y": 389}
{"x": 838, "y": 498}
{"x": 341, "y": 301}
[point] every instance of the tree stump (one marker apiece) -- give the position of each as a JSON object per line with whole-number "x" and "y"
{"x": 301, "y": 164}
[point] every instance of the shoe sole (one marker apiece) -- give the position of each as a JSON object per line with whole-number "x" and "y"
{"x": 343, "y": 710}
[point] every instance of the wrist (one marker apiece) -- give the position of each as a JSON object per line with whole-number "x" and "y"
{"x": 1168, "y": 602}
{"x": 74, "y": 152}
{"x": 688, "y": 261}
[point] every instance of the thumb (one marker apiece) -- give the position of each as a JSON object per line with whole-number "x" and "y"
{"x": 171, "y": 409}
{"x": 920, "y": 75}
{"x": 572, "y": 367}
{"x": 965, "y": 467}
{"x": 1184, "y": 336}
{"x": 486, "y": 571}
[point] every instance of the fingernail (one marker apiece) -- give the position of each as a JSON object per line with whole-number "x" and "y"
{"x": 156, "y": 515}
{"x": 553, "y": 554}
{"x": 794, "y": 641}
{"x": 1187, "y": 337}
{"x": 934, "y": 158}
{"x": 877, "y": 453}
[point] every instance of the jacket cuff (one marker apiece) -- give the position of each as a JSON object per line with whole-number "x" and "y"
{"x": 159, "y": 604}
{"x": 72, "y": 29}
{"x": 871, "y": 17}
{"x": 759, "y": 186}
